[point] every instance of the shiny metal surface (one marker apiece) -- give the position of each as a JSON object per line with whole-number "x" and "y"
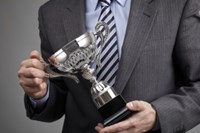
{"x": 86, "y": 39}
{"x": 104, "y": 97}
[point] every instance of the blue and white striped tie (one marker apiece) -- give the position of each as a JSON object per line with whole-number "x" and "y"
{"x": 109, "y": 55}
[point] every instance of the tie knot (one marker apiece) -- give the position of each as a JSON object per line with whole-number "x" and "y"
{"x": 105, "y": 2}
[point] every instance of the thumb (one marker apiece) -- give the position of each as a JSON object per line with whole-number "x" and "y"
{"x": 35, "y": 55}
{"x": 136, "y": 105}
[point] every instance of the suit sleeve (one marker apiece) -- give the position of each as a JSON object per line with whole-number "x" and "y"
{"x": 180, "y": 111}
{"x": 55, "y": 106}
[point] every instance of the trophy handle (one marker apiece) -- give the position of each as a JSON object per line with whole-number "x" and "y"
{"x": 99, "y": 26}
{"x": 99, "y": 32}
{"x": 53, "y": 73}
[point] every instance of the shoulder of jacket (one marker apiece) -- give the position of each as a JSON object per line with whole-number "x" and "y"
{"x": 52, "y": 4}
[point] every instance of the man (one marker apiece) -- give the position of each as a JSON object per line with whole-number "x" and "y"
{"x": 158, "y": 73}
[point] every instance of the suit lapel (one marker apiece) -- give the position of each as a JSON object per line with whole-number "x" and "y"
{"x": 140, "y": 22}
{"x": 74, "y": 18}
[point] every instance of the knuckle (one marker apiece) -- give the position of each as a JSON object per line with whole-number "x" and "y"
{"x": 132, "y": 122}
{"x": 44, "y": 86}
{"x": 137, "y": 129}
{"x": 35, "y": 62}
{"x": 39, "y": 87}
{"x": 19, "y": 73}
{"x": 36, "y": 81}
{"x": 21, "y": 82}
{"x": 32, "y": 72}
{"x": 137, "y": 124}
{"x": 152, "y": 111}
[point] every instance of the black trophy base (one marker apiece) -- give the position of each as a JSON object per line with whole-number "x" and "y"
{"x": 115, "y": 111}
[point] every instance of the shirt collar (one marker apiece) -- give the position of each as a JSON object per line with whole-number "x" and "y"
{"x": 94, "y": 3}
{"x": 122, "y": 2}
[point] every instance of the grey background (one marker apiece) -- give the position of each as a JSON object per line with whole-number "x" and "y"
{"x": 18, "y": 37}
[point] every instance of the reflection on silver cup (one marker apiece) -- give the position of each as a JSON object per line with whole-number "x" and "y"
{"x": 78, "y": 55}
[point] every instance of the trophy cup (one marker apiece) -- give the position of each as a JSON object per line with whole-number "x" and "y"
{"x": 78, "y": 55}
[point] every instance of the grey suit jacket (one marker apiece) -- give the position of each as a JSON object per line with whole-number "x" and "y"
{"x": 160, "y": 63}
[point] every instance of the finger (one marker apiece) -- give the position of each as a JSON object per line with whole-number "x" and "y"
{"x": 99, "y": 127}
{"x": 31, "y": 73}
{"x": 31, "y": 82}
{"x": 35, "y": 55}
{"x": 118, "y": 127}
{"x": 136, "y": 105}
{"x": 134, "y": 130}
{"x": 32, "y": 63}
{"x": 30, "y": 90}
{"x": 34, "y": 88}
{"x": 36, "y": 93}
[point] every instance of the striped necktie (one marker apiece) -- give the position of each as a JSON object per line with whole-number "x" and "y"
{"x": 109, "y": 55}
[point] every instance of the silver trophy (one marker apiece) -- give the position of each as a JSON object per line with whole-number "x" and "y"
{"x": 78, "y": 55}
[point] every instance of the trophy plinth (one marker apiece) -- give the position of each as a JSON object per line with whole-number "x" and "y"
{"x": 114, "y": 111}
{"x": 79, "y": 55}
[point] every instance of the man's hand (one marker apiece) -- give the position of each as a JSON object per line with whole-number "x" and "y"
{"x": 140, "y": 122}
{"x": 32, "y": 76}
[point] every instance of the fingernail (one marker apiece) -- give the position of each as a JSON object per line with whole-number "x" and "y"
{"x": 130, "y": 105}
{"x": 100, "y": 125}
